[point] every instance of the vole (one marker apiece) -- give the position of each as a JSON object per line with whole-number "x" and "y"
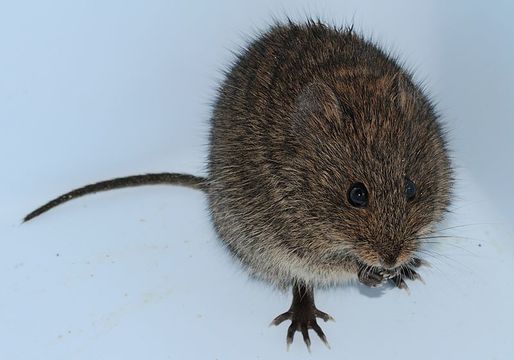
{"x": 327, "y": 163}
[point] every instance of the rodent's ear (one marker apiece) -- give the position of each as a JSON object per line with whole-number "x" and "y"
{"x": 317, "y": 109}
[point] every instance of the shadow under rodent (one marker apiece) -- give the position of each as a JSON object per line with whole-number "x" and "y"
{"x": 327, "y": 164}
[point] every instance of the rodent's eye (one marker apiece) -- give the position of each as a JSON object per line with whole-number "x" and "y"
{"x": 358, "y": 195}
{"x": 410, "y": 189}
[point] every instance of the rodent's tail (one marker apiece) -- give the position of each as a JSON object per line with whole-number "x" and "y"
{"x": 194, "y": 182}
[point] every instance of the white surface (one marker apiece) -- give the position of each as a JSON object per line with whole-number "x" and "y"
{"x": 91, "y": 90}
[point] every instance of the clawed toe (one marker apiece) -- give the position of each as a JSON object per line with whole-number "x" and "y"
{"x": 400, "y": 283}
{"x": 303, "y": 316}
{"x": 304, "y": 327}
{"x": 320, "y": 333}
{"x": 324, "y": 316}
{"x": 281, "y": 318}
{"x": 305, "y": 334}
{"x": 408, "y": 272}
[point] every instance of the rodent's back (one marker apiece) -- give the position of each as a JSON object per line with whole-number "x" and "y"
{"x": 258, "y": 196}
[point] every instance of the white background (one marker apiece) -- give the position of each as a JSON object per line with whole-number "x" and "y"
{"x": 91, "y": 90}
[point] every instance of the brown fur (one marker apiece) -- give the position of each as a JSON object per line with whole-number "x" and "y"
{"x": 306, "y": 111}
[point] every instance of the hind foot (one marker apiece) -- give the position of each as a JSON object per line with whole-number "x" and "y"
{"x": 303, "y": 315}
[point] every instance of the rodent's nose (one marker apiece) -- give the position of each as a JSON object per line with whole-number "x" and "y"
{"x": 389, "y": 260}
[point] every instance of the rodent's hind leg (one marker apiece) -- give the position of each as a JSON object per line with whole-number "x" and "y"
{"x": 303, "y": 314}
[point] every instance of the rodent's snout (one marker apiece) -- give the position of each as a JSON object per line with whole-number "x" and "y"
{"x": 385, "y": 256}
{"x": 394, "y": 257}
{"x": 389, "y": 261}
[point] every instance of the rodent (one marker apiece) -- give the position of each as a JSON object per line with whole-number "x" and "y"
{"x": 327, "y": 163}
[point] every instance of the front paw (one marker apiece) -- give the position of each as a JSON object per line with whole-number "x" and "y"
{"x": 407, "y": 272}
{"x": 371, "y": 276}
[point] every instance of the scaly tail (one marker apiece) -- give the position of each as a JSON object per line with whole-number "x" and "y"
{"x": 194, "y": 182}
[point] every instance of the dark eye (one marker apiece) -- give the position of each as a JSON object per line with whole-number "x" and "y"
{"x": 358, "y": 195}
{"x": 410, "y": 189}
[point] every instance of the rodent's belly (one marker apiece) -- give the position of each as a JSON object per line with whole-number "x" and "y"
{"x": 257, "y": 228}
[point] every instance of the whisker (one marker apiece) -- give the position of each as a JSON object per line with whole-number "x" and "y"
{"x": 450, "y": 244}
{"x": 434, "y": 267}
{"x": 464, "y": 225}
{"x": 446, "y": 237}
{"x": 444, "y": 258}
